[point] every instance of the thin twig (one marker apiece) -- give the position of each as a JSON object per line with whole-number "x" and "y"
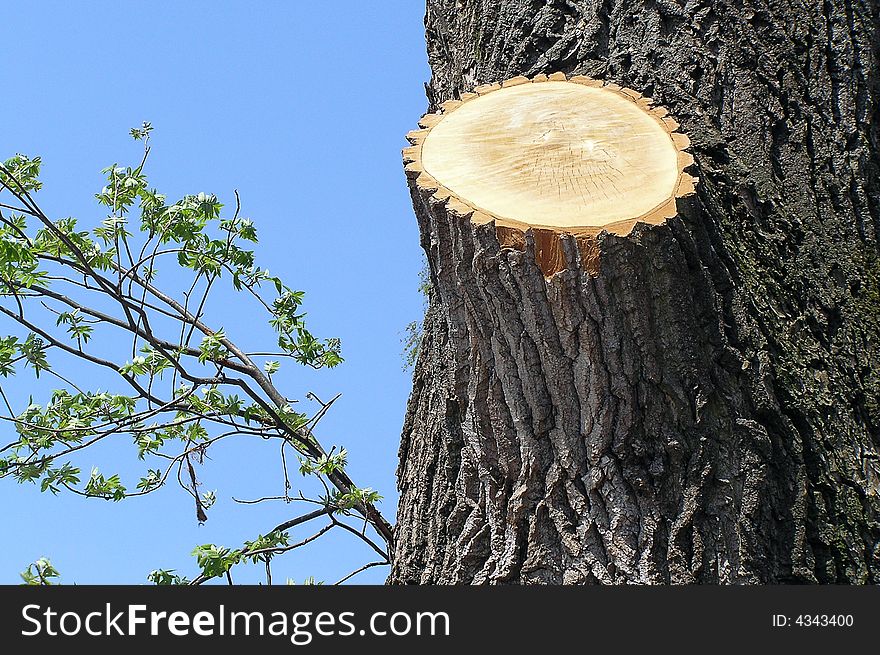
{"x": 360, "y": 570}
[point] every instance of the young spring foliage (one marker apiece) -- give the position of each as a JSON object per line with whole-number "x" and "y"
{"x": 77, "y": 297}
{"x": 40, "y": 572}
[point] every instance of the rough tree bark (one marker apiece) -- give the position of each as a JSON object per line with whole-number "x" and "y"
{"x": 706, "y": 408}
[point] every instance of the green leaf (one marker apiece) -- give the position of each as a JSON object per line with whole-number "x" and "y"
{"x": 166, "y": 577}
{"x": 150, "y": 481}
{"x": 40, "y": 572}
{"x": 34, "y": 351}
{"x": 24, "y": 173}
{"x": 107, "y": 488}
{"x": 141, "y": 133}
{"x": 215, "y": 560}
{"x": 211, "y": 348}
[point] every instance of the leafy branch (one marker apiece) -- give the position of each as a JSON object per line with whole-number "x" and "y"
{"x": 39, "y": 573}
{"x": 95, "y": 298}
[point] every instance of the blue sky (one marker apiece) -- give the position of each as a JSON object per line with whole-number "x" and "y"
{"x": 302, "y": 107}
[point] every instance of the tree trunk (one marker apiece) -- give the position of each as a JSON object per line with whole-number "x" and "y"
{"x": 704, "y": 407}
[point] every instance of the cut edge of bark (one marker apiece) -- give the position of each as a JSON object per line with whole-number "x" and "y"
{"x": 511, "y": 233}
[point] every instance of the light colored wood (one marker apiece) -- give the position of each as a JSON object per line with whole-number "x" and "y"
{"x": 558, "y": 154}
{"x": 483, "y": 89}
{"x": 554, "y": 156}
